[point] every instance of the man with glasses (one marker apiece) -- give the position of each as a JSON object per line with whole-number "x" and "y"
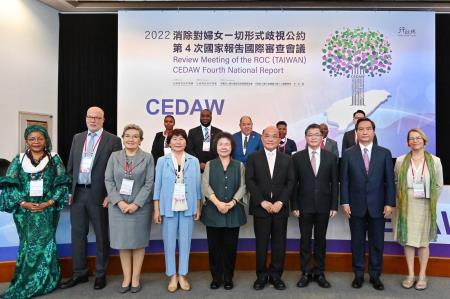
{"x": 314, "y": 203}
{"x": 269, "y": 177}
{"x": 350, "y": 137}
{"x": 200, "y": 139}
{"x": 88, "y": 158}
{"x": 367, "y": 198}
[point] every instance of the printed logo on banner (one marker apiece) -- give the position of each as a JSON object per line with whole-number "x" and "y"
{"x": 356, "y": 53}
{"x": 406, "y": 31}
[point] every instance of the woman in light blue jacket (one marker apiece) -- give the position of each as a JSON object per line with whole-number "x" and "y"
{"x": 176, "y": 205}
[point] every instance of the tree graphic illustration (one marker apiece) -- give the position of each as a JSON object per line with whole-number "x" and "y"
{"x": 357, "y": 53}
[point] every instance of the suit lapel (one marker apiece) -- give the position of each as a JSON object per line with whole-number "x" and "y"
{"x": 322, "y": 163}
{"x": 101, "y": 145}
{"x": 266, "y": 164}
{"x": 78, "y": 154}
{"x": 373, "y": 157}
{"x": 359, "y": 159}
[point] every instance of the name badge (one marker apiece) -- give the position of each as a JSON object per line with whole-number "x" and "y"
{"x": 206, "y": 146}
{"x": 167, "y": 151}
{"x": 86, "y": 164}
{"x": 127, "y": 187}
{"x": 419, "y": 190}
{"x": 37, "y": 187}
{"x": 179, "y": 202}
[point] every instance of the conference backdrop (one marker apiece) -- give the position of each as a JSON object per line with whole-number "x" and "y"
{"x": 297, "y": 66}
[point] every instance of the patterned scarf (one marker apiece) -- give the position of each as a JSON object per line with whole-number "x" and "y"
{"x": 402, "y": 196}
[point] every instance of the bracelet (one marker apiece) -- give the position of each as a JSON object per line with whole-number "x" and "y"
{"x": 22, "y": 203}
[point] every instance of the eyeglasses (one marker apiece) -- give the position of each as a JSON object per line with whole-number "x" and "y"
{"x": 415, "y": 138}
{"x": 36, "y": 139}
{"x": 96, "y": 118}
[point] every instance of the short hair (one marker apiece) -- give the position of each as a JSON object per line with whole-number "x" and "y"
{"x": 177, "y": 132}
{"x": 224, "y": 135}
{"x": 420, "y": 132}
{"x": 365, "y": 119}
{"x": 133, "y": 127}
{"x": 171, "y": 116}
{"x": 245, "y": 116}
{"x": 281, "y": 122}
{"x": 313, "y": 126}
{"x": 359, "y": 111}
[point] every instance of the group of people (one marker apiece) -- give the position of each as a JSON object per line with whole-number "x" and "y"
{"x": 208, "y": 175}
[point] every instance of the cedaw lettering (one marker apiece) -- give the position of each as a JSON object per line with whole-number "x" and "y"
{"x": 183, "y": 107}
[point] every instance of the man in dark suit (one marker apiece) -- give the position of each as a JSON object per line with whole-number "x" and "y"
{"x": 367, "y": 198}
{"x": 269, "y": 178}
{"x": 328, "y": 143}
{"x": 286, "y": 145}
{"x": 88, "y": 157}
{"x": 314, "y": 202}
{"x": 247, "y": 141}
{"x": 350, "y": 137}
{"x": 160, "y": 146}
{"x": 200, "y": 139}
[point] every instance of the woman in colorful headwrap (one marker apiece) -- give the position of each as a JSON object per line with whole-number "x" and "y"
{"x": 35, "y": 189}
{"x": 419, "y": 181}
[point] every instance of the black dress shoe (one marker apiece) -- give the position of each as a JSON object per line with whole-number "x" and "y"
{"x": 278, "y": 284}
{"x": 100, "y": 283}
{"x": 376, "y": 283}
{"x": 357, "y": 282}
{"x": 136, "y": 289}
{"x": 322, "y": 281}
{"x": 214, "y": 285}
{"x": 228, "y": 285}
{"x": 304, "y": 280}
{"x": 73, "y": 281}
{"x": 123, "y": 290}
{"x": 260, "y": 283}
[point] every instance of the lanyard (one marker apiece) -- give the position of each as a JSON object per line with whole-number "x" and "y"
{"x": 412, "y": 169}
{"x": 128, "y": 168}
{"x": 95, "y": 145}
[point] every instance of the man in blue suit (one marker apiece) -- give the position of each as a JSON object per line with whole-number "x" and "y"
{"x": 367, "y": 198}
{"x": 247, "y": 141}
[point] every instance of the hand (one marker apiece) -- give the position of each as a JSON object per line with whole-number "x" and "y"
{"x": 34, "y": 207}
{"x": 132, "y": 208}
{"x": 222, "y": 207}
{"x": 105, "y": 203}
{"x": 202, "y": 166}
{"x": 266, "y": 205}
{"x": 123, "y": 206}
{"x": 347, "y": 211}
{"x": 387, "y": 211}
{"x": 157, "y": 217}
{"x": 197, "y": 215}
{"x": 296, "y": 213}
{"x": 333, "y": 213}
{"x": 70, "y": 199}
{"x": 277, "y": 206}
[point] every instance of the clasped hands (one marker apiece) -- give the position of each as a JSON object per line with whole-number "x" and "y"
{"x": 387, "y": 211}
{"x": 224, "y": 207}
{"x": 129, "y": 208}
{"x": 272, "y": 208}
{"x": 37, "y": 207}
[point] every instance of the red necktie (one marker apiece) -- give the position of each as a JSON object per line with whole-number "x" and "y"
{"x": 322, "y": 144}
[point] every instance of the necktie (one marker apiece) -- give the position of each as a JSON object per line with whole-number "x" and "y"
{"x": 206, "y": 137}
{"x": 366, "y": 159}
{"x": 90, "y": 146}
{"x": 313, "y": 161}
{"x": 322, "y": 144}
{"x": 271, "y": 163}
{"x": 245, "y": 141}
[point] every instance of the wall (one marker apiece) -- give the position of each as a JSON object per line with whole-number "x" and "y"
{"x": 29, "y": 67}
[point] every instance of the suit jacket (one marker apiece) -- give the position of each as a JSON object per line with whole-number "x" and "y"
{"x": 367, "y": 192}
{"x": 263, "y": 187}
{"x": 195, "y": 144}
{"x": 315, "y": 194}
{"x": 349, "y": 140}
{"x": 288, "y": 148}
{"x": 254, "y": 144}
{"x": 109, "y": 143}
{"x": 158, "y": 146}
{"x": 331, "y": 146}
{"x": 165, "y": 178}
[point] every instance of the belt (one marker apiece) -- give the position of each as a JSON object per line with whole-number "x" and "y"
{"x": 84, "y": 186}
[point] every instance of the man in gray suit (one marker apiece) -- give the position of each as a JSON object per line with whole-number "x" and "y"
{"x": 328, "y": 143}
{"x": 88, "y": 158}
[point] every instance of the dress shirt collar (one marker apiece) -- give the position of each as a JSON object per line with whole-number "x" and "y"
{"x": 274, "y": 153}
{"x": 310, "y": 150}
{"x": 98, "y": 132}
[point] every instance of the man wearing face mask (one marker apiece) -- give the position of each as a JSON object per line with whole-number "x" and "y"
{"x": 200, "y": 139}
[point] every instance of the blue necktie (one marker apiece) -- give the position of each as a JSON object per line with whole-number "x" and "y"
{"x": 206, "y": 137}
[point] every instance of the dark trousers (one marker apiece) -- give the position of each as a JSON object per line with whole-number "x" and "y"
{"x": 313, "y": 263}
{"x": 273, "y": 229}
{"x": 222, "y": 247}
{"x": 82, "y": 211}
{"x": 374, "y": 227}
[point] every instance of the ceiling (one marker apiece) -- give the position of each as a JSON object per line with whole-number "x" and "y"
{"x": 114, "y": 6}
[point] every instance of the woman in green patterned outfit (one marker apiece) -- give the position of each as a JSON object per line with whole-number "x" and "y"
{"x": 35, "y": 189}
